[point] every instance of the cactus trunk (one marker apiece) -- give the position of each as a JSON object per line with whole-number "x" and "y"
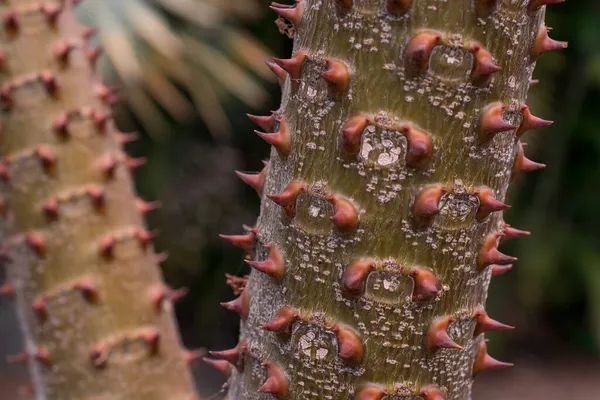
{"x": 395, "y": 143}
{"x": 80, "y": 264}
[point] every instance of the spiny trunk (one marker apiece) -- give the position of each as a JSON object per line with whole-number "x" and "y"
{"x": 397, "y": 137}
{"x": 80, "y": 264}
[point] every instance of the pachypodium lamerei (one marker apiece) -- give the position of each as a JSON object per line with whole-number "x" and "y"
{"x": 95, "y": 314}
{"x": 398, "y": 134}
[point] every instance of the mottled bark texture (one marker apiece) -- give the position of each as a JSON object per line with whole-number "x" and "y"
{"x": 397, "y": 137}
{"x": 95, "y": 314}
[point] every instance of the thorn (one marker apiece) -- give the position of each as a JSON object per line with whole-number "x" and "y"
{"x": 484, "y": 361}
{"x": 498, "y": 270}
{"x": 39, "y": 307}
{"x": 151, "y": 339}
{"x": 240, "y": 305}
{"x": 61, "y": 126}
{"x": 161, "y": 293}
{"x": 3, "y": 207}
{"x": 543, "y": 44}
{"x": 419, "y": 49}
{"x": 62, "y": 50}
{"x": 255, "y": 181}
{"x": 11, "y": 23}
{"x": 282, "y": 321}
{"x": 492, "y": 123}
{"x": 437, "y": 335}
{"x": 419, "y": 143}
{"x": 287, "y": 198}
{"x": 398, "y": 7}
{"x": 512, "y": 233}
{"x": 97, "y": 197}
{"x": 524, "y": 164}
{"x": 135, "y": 163}
{"x": 280, "y": 140}
{"x": 51, "y": 12}
{"x": 145, "y": 237}
{"x": 488, "y": 203}
{"x": 7, "y": 290}
{"x": 88, "y": 33}
{"x": 191, "y": 356}
{"x": 336, "y": 75}
{"x": 4, "y": 174}
{"x": 50, "y": 208}
{"x": 146, "y": 207}
{"x": 533, "y": 82}
{"x": 293, "y": 66}
{"x": 292, "y": 13}
{"x": 106, "y": 247}
{"x": 233, "y": 356}
{"x": 100, "y": 119}
{"x": 484, "y": 8}
{"x": 483, "y": 64}
{"x": 98, "y": 355}
{"x": 93, "y": 54}
{"x": 426, "y": 205}
{"x": 220, "y": 365}
{"x": 432, "y": 392}
{"x": 36, "y": 242}
{"x": 49, "y": 82}
{"x": 105, "y": 94}
{"x": 6, "y": 97}
{"x": 48, "y": 159}
{"x": 236, "y": 283}
{"x": 426, "y": 286}
{"x": 266, "y": 123}
{"x": 273, "y": 266}
{"x": 531, "y": 122}
{"x": 486, "y": 324}
{"x": 489, "y": 253}
{"x": 161, "y": 257}
{"x": 246, "y": 242}
{"x": 350, "y": 348}
{"x": 370, "y": 393}
{"x": 124, "y": 138}
{"x": 352, "y": 133}
{"x": 278, "y": 72}
{"x": 88, "y": 290}
{"x": 355, "y": 276}
{"x": 276, "y": 383}
{"x": 347, "y": 4}
{"x": 535, "y": 5}
{"x": 345, "y": 217}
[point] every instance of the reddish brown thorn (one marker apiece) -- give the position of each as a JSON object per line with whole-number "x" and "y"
{"x": 233, "y": 356}
{"x": 419, "y": 49}
{"x": 533, "y": 82}
{"x": 426, "y": 286}
{"x": 255, "y": 181}
{"x": 292, "y": 13}
{"x": 287, "y": 198}
{"x": 352, "y": 134}
{"x": 236, "y": 283}
{"x": 93, "y": 55}
{"x": 20, "y": 358}
{"x": 100, "y": 119}
{"x": 2, "y": 61}
{"x": 135, "y": 163}
{"x": 51, "y": 13}
{"x": 277, "y": 71}
{"x": 273, "y": 266}
{"x": 97, "y": 197}
{"x": 512, "y": 233}
{"x": 246, "y": 242}
{"x": 125, "y": 138}
{"x": 88, "y": 290}
{"x": 36, "y": 242}
{"x": 355, "y": 276}
{"x": 432, "y": 392}
{"x": 337, "y": 76}
{"x": 489, "y": 253}
{"x": 492, "y": 123}
{"x": 276, "y": 383}
{"x": 48, "y": 159}
{"x": 192, "y": 356}
{"x": 146, "y": 207}
{"x": 483, "y": 64}
{"x": 426, "y": 205}
{"x": 345, "y": 216}
{"x": 437, "y": 335}
{"x": 370, "y": 393}
{"x": 347, "y": 4}
{"x": 10, "y": 22}
{"x": 4, "y": 174}
{"x": 419, "y": 145}
{"x": 486, "y": 324}
{"x": 49, "y": 81}
{"x": 106, "y": 246}
{"x": 50, "y": 208}
{"x": 39, "y": 307}
{"x": 350, "y": 348}
{"x": 484, "y": 361}
{"x": 220, "y": 365}
{"x": 151, "y": 339}
{"x": 62, "y": 50}
{"x": 266, "y": 123}
{"x": 530, "y": 121}
{"x": 488, "y": 203}
{"x": 281, "y": 139}
{"x": 543, "y": 44}
{"x": 484, "y": 8}
{"x": 293, "y": 66}
{"x": 107, "y": 165}
{"x": 6, "y": 97}
{"x": 535, "y": 5}
{"x": 524, "y": 164}
{"x": 107, "y": 95}
{"x": 161, "y": 293}
{"x": 241, "y": 305}
{"x": 7, "y": 290}
{"x": 61, "y": 126}
{"x": 282, "y": 321}
{"x": 145, "y": 237}
{"x": 98, "y": 355}
{"x": 161, "y": 257}
{"x": 498, "y": 270}
{"x": 398, "y": 7}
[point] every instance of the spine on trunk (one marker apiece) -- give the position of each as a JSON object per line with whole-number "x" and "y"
{"x": 398, "y": 134}
{"x": 96, "y": 316}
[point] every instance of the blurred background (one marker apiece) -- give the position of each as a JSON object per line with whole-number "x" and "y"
{"x": 187, "y": 72}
